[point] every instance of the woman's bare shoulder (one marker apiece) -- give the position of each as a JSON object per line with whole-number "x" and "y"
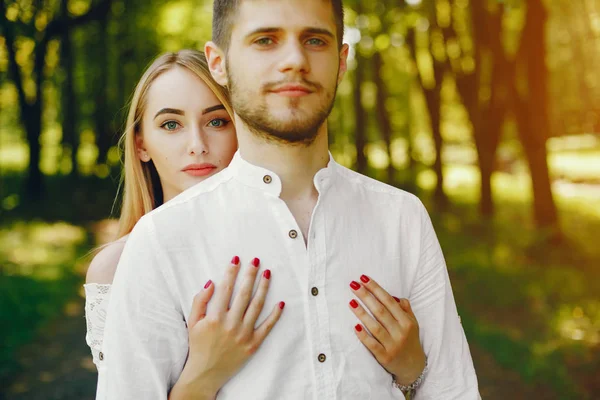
{"x": 103, "y": 266}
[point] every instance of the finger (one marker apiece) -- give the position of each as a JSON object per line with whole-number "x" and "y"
{"x": 383, "y": 297}
{"x": 223, "y": 295}
{"x": 376, "y": 329}
{"x": 263, "y": 330}
{"x": 370, "y": 343}
{"x": 379, "y": 311}
{"x": 200, "y": 304}
{"x": 407, "y": 308}
{"x": 240, "y": 303}
{"x": 257, "y": 303}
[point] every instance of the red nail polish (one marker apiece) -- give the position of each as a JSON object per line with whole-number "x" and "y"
{"x": 397, "y": 299}
{"x": 235, "y": 260}
{"x": 355, "y": 285}
{"x": 207, "y": 284}
{"x": 353, "y": 303}
{"x": 358, "y": 328}
{"x": 267, "y": 274}
{"x": 255, "y": 262}
{"x": 364, "y": 278}
{"x": 281, "y": 304}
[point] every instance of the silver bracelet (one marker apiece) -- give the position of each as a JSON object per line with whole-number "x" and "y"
{"x": 415, "y": 384}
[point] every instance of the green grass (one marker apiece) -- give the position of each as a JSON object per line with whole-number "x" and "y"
{"x": 40, "y": 272}
{"x": 533, "y": 305}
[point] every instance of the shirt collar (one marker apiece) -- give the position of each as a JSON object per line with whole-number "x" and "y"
{"x": 268, "y": 181}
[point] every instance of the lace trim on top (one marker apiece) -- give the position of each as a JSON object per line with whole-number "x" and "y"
{"x": 96, "y": 304}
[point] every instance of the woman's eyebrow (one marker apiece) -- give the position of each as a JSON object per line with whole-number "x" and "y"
{"x": 169, "y": 111}
{"x": 213, "y": 108}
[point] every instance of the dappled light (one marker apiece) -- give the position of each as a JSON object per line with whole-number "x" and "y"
{"x": 486, "y": 110}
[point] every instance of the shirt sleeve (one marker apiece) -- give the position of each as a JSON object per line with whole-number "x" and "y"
{"x": 145, "y": 339}
{"x": 451, "y": 374}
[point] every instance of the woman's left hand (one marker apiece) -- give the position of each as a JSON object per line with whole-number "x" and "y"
{"x": 394, "y": 330}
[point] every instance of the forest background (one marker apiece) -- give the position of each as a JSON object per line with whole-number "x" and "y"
{"x": 488, "y": 110}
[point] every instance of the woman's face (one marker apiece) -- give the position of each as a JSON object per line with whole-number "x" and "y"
{"x": 186, "y": 131}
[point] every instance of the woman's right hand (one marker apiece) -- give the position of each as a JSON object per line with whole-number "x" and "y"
{"x": 222, "y": 339}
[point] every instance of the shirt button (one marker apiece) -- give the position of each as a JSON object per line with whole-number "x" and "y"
{"x": 101, "y": 356}
{"x": 267, "y": 179}
{"x": 314, "y": 291}
{"x": 293, "y": 234}
{"x": 322, "y": 357}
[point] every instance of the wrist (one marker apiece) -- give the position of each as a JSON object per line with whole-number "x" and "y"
{"x": 410, "y": 384}
{"x": 193, "y": 386}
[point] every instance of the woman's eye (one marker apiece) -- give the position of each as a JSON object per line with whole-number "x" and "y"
{"x": 170, "y": 125}
{"x": 218, "y": 123}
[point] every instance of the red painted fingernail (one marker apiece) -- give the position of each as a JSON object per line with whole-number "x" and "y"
{"x": 207, "y": 284}
{"x": 255, "y": 262}
{"x": 281, "y": 304}
{"x": 235, "y": 260}
{"x": 354, "y": 304}
{"x": 358, "y": 328}
{"x": 364, "y": 278}
{"x": 397, "y": 299}
{"x": 267, "y": 274}
{"x": 355, "y": 285}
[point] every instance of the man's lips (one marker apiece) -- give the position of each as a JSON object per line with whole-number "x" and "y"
{"x": 199, "y": 169}
{"x": 292, "y": 90}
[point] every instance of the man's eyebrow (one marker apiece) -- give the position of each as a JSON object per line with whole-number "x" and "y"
{"x": 320, "y": 31}
{"x": 169, "y": 111}
{"x": 266, "y": 29}
{"x": 213, "y": 108}
{"x": 312, "y": 30}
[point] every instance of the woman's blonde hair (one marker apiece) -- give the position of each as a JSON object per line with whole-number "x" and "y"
{"x": 142, "y": 191}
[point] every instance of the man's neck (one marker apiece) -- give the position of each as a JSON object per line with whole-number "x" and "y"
{"x": 295, "y": 164}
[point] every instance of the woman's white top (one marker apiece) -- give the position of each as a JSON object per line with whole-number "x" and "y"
{"x": 96, "y": 303}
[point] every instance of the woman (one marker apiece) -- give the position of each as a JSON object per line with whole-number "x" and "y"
{"x": 179, "y": 132}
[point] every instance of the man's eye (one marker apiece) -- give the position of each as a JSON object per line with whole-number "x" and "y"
{"x": 264, "y": 41}
{"x": 315, "y": 42}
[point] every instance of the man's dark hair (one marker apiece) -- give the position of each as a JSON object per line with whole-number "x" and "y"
{"x": 224, "y": 12}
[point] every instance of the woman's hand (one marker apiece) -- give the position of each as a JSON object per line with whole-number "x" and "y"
{"x": 222, "y": 339}
{"x": 394, "y": 330}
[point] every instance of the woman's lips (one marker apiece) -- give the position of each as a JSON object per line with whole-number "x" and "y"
{"x": 199, "y": 169}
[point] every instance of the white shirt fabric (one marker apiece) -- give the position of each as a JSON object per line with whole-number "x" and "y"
{"x": 359, "y": 226}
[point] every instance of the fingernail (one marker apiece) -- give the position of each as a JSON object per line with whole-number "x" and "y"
{"x": 281, "y": 304}
{"x": 207, "y": 284}
{"x": 267, "y": 274}
{"x": 364, "y": 278}
{"x": 355, "y": 285}
{"x": 255, "y": 262}
{"x": 235, "y": 260}
{"x": 353, "y": 303}
{"x": 397, "y": 299}
{"x": 358, "y": 328}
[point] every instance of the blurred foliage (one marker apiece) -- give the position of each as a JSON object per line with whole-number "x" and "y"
{"x": 442, "y": 98}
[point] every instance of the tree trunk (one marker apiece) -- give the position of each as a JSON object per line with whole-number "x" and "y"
{"x": 383, "y": 118}
{"x": 69, "y": 104}
{"x": 103, "y": 134}
{"x": 360, "y": 120}
{"x": 534, "y": 126}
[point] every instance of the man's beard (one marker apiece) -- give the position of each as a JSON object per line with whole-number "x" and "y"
{"x": 301, "y": 129}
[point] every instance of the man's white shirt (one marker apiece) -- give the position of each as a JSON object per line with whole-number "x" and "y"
{"x": 359, "y": 226}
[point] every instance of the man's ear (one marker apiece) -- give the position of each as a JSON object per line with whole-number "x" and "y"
{"x": 140, "y": 149}
{"x": 216, "y": 63}
{"x": 343, "y": 62}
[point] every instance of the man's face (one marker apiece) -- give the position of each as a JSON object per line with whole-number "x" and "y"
{"x": 283, "y": 67}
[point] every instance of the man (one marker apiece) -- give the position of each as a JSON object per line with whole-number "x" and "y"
{"x": 319, "y": 227}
